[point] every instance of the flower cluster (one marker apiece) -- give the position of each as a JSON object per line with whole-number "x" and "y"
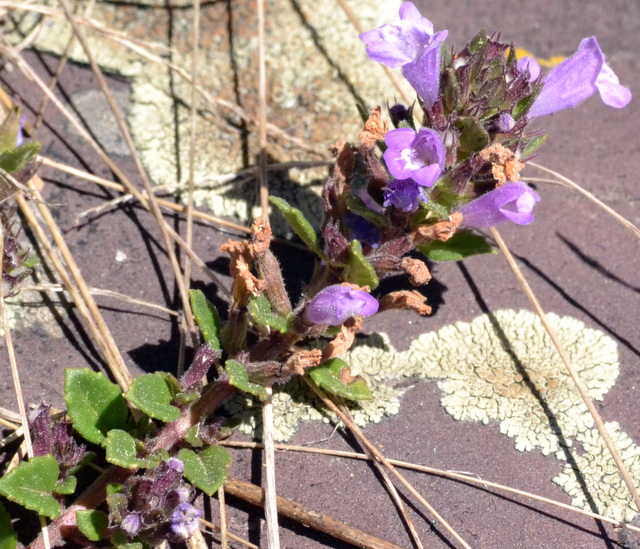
{"x": 479, "y": 98}
{"x": 155, "y": 506}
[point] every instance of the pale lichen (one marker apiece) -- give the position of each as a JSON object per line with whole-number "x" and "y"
{"x": 293, "y": 403}
{"x": 607, "y": 494}
{"x": 503, "y": 367}
{"x": 317, "y": 74}
{"x": 28, "y": 310}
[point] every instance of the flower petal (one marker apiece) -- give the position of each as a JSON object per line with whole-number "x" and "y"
{"x": 512, "y": 201}
{"x": 612, "y": 93}
{"x": 570, "y": 82}
{"x": 335, "y": 304}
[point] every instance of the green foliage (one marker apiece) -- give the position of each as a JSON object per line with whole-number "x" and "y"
{"x": 361, "y": 272}
{"x": 120, "y": 541}
{"x": 239, "y": 378}
{"x": 94, "y": 404}
{"x": 92, "y": 524}
{"x": 31, "y": 484}
{"x": 66, "y": 486}
{"x": 532, "y": 146}
{"x": 121, "y": 450}
{"x": 207, "y": 318}
{"x": 522, "y": 107}
{"x": 298, "y": 223}
{"x": 459, "y": 246}
{"x": 152, "y": 394}
{"x": 473, "y": 136}
{"x": 8, "y": 536}
{"x": 18, "y": 158}
{"x": 260, "y": 310}
{"x": 334, "y": 377}
{"x": 208, "y": 469}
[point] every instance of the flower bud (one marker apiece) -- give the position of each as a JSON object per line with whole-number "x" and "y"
{"x": 335, "y": 304}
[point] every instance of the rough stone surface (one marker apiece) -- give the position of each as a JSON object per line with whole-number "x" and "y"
{"x": 579, "y": 262}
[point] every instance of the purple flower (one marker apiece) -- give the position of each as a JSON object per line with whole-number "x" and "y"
{"x": 175, "y": 464}
{"x": 184, "y": 521}
{"x": 531, "y": 64}
{"x": 131, "y": 524}
{"x": 20, "y": 133}
{"x": 411, "y": 44}
{"x": 511, "y": 201}
{"x": 363, "y": 230}
{"x": 419, "y": 156}
{"x": 577, "y": 78}
{"x": 404, "y": 194}
{"x": 337, "y": 303}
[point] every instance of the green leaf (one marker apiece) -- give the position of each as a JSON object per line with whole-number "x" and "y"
{"x": 8, "y": 536}
{"x": 9, "y": 130}
{"x": 260, "y": 310}
{"x": 473, "y": 136}
{"x": 15, "y": 159}
{"x": 122, "y": 451}
{"x": 67, "y": 486}
{"x": 191, "y": 437}
{"x": 207, "y": 318}
{"x": 298, "y": 223}
{"x": 152, "y": 394}
{"x": 522, "y": 107}
{"x": 239, "y": 378}
{"x": 361, "y": 272}
{"x": 94, "y": 404}
{"x": 92, "y": 524}
{"x": 532, "y": 145}
{"x": 115, "y": 488}
{"x": 31, "y": 484}
{"x": 120, "y": 541}
{"x": 206, "y": 470}
{"x": 459, "y": 246}
{"x": 335, "y": 377}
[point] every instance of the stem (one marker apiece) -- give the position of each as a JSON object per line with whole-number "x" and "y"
{"x": 324, "y": 523}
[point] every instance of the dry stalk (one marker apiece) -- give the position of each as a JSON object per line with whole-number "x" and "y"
{"x": 311, "y": 519}
{"x": 13, "y": 363}
{"x": 154, "y": 208}
{"x": 565, "y": 181}
{"x": 76, "y": 286}
{"x": 224, "y": 534}
{"x": 439, "y": 472}
{"x": 570, "y": 368}
{"x": 60, "y": 67}
{"x": 383, "y": 460}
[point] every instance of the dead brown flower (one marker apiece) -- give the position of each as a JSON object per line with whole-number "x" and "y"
{"x": 405, "y": 300}
{"x": 374, "y": 129}
{"x": 504, "y": 164}
{"x": 417, "y": 270}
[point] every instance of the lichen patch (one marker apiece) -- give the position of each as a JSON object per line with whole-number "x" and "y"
{"x": 503, "y": 367}
{"x": 608, "y": 495}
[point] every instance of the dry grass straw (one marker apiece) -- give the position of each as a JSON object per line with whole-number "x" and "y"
{"x": 82, "y": 294}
